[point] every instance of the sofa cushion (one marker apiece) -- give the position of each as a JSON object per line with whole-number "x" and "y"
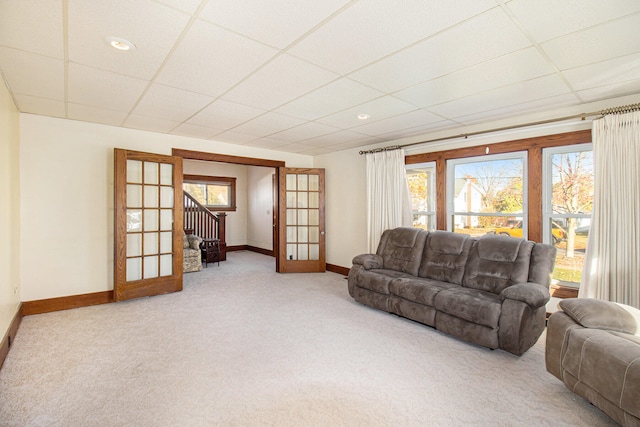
{"x": 378, "y": 280}
{"x": 497, "y": 262}
{"x": 598, "y": 314}
{"x": 473, "y": 305}
{"x": 422, "y": 291}
{"x": 445, "y": 255}
{"x": 401, "y": 249}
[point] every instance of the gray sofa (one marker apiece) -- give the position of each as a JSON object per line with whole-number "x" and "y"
{"x": 593, "y": 347}
{"x": 489, "y": 291}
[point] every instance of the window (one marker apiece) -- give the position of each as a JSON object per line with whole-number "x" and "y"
{"x": 215, "y": 192}
{"x": 487, "y": 194}
{"x": 567, "y": 204}
{"x": 422, "y": 191}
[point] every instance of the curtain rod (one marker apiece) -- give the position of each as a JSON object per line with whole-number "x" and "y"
{"x": 616, "y": 110}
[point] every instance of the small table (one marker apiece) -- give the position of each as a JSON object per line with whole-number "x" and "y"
{"x": 210, "y": 249}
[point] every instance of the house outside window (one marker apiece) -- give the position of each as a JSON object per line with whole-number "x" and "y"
{"x": 216, "y": 193}
{"x": 487, "y": 194}
{"x": 567, "y": 203}
{"x": 421, "y": 179}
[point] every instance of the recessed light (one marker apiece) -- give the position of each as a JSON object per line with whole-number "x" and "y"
{"x": 363, "y": 116}
{"x": 120, "y": 43}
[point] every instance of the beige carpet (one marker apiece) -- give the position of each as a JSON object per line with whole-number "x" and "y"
{"x": 244, "y": 346}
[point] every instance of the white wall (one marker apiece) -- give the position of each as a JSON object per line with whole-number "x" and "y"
{"x": 236, "y": 222}
{"x": 260, "y": 207}
{"x": 9, "y": 210}
{"x": 66, "y": 173}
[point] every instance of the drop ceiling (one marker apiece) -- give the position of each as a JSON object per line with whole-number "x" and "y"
{"x": 293, "y": 75}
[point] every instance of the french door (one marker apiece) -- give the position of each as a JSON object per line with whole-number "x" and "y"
{"x": 301, "y": 231}
{"x": 148, "y": 224}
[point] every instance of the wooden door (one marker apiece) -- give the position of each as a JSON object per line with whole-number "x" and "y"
{"x": 148, "y": 224}
{"x": 301, "y": 225}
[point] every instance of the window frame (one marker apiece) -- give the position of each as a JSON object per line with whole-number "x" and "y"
{"x": 217, "y": 180}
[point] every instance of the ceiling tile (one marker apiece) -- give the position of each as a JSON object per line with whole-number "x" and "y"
{"x": 266, "y": 143}
{"x": 523, "y": 92}
{"x": 616, "y": 70}
{"x": 304, "y": 131}
{"x": 371, "y": 29}
{"x": 170, "y": 103}
{"x": 234, "y": 138}
{"x": 87, "y": 113}
{"x": 606, "y": 41}
{"x": 517, "y": 66}
{"x": 378, "y": 109}
{"x": 403, "y": 121}
{"x": 555, "y": 102}
{"x": 41, "y": 106}
{"x": 276, "y": 22}
{"x": 281, "y": 80}
{"x": 268, "y": 124}
{"x": 33, "y": 25}
{"x": 568, "y": 15}
{"x": 218, "y": 59}
{"x": 152, "y": 124}
{"x": 466, "y": 44}
{"x": 32, "y": 74}
{"x": 630, "y": 87}
{"x": 187, "y": 6}
{"x": 341, "y": 137}
{"x": 194, "y": 131}
{"x": 222, "y": 114}
{"x": 419, "y": 130}
{"x": 103, "y": 89}
{"x": 335, "y": 96}
{"x": 152, "y": 27}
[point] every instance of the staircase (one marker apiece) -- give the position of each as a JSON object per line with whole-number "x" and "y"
{"x": 202, "y": 222}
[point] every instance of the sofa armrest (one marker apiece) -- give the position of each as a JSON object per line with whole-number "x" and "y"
{"x": 369, "y": 261}
{"x": 532, "y": 294}
{"x": 599, "y": 314}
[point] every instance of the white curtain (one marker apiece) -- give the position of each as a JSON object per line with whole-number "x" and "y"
{"x": 612, "y": 263}
{"x": 389, "y": 205}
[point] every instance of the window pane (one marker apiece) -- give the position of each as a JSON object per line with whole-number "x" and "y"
{"x": 218, "y": 195}
{"x": 487, "y": 195}
{"x": 568, "y": 176}
{"x": 478, "y": 225}
{"x": 197, "y": 191}
{"x": 572, "y": 178}
{"x": 421, "y": 181}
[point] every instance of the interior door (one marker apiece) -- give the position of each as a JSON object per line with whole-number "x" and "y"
{"x": 148, "y": 224}
{"x": 301, "y": 230}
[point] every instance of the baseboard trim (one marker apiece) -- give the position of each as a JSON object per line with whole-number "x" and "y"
{"x": 338, "y": 269}
{"x": 236, "y": 248}
{"x": 260, "y": 250}
{"x": 8, "y": 338}
{"x": 65, "y": 303}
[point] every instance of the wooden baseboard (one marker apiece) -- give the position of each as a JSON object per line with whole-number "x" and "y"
{"x": 236, "y": 248}
{"x": 65, "y": 303}
{"x": 8, "y": 338}
{"x": 338, "y": 269}
{"x": 260, "y": 250}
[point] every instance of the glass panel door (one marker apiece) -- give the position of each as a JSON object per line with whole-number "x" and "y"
{"x": 148, "y": 220}
{"x": 302, "y": 208}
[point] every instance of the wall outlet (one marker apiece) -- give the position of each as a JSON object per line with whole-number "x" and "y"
{"x": 15, "y": 290}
